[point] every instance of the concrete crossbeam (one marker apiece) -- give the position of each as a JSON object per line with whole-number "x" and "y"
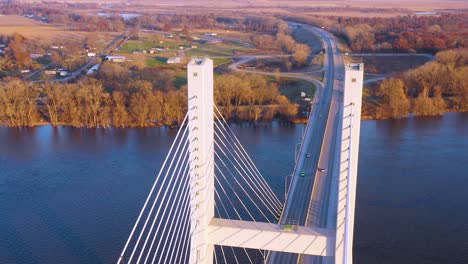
{"x": 273, "y": 237}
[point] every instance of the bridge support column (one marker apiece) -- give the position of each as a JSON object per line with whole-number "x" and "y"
{"x": 351, "y": 123}
{"x": 200, "y": 107}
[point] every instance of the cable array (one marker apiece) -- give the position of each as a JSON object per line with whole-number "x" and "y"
{"x": 241, "y": 192}
{"x": 161, "y": 233}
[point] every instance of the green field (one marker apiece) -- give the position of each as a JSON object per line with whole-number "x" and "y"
{"x": 292, "y": 88}
{"x": 156, "y": 61}
{"x": 219, "y": 61}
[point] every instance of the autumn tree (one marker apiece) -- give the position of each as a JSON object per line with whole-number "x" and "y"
{"x": 54, "y": 99}
{"x": 18, "y": 52}
{"x": 119, "y": 113}
{"x": 301, "y": 54}
{"x": 18, "y": 103}
{"x": 396, "y": 103}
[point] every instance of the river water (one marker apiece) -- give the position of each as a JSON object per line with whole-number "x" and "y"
{"x": 72, "y": 195}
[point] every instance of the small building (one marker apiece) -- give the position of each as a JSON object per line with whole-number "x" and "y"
{"x": 173, "y": 60}
{"x": 25, "y": 71}
{"x": 64, "y": 73}
{"x": 139, "y": 52}
{"x": 154, "y": 50}
{"x": 91, "y": 54}
{"x": 93, "y": 69}
{"x": 116, "y": 58}
{"x": 35, "y": 55}
{"x": 214, "y": 41}
{"x": 211, "y": 34}
{"x": 50, "y": 72}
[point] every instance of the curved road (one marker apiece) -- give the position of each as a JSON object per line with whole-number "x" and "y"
{"x": 307, "y": 199}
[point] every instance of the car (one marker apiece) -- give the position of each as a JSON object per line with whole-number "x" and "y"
{"x": 320, "y": 116}
{"x": 302, "y": 174}
{"x": 321, "y": 169}
{"x": 308, "y": 155}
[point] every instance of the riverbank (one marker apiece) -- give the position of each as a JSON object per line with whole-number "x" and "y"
{"x": 294, "y": 120}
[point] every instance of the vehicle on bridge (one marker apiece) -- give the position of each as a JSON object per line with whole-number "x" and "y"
{"x": 302, "y": 173}
{"x": 321, "y": 169}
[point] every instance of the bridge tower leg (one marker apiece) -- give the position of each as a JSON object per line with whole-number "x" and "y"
{"x": 201, "y": 144}
{"x": 351, "y": 122}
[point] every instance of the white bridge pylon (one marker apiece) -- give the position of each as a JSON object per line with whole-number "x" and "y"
{"x": 209, "y": 194}
{"x": 208, "y": 230}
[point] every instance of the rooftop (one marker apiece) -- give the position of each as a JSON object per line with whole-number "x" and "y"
{"x": 355, "y": 66}
{"x": 198, "y": 61}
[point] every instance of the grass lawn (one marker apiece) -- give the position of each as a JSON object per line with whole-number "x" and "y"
{"x": 292, "y": 89}
{"x": 180, "y": 78}
{"x": 388, "y": 65}
{"x": 156, "y": 61}
{"x": 209, "y": 52}
{"x": 219, "y": 61}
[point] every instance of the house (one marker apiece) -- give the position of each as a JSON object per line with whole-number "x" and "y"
{"x": 173, "y": 60}
{"x": 91, "y": 54}
{"x": 154, "y": 50}
{"x": 64, "y": 73}
{"x": 50, "y": 72}
{"x": 35, "y": 55}
{"x": 93, "y": 69}
{"x": 25, "y": 71}
{"x": 214, "y": 41}
{"x": 116, "y": 58}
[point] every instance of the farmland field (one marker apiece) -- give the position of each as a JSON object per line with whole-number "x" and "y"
{"x": 34, "y": 29}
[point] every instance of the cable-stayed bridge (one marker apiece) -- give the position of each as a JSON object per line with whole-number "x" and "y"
{"x": 210, "y": 203}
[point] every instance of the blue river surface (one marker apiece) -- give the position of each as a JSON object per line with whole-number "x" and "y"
{"x": 72, "y": 195}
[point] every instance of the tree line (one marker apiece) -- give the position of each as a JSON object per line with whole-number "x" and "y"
{"x": 431, "y": 89}
{"x": 282, "y": 40}
{"x": 88, "y": 103}
{"x": 409, "y": 33}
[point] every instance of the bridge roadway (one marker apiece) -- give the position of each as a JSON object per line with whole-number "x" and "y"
{"x": 308, "y": 198}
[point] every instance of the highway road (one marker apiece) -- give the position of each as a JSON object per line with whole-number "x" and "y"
{"x": 307, "y": 202}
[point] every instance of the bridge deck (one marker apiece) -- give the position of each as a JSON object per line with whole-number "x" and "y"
{"x": 273, "y": 237}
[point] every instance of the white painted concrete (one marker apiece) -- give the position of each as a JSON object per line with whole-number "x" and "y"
{"x": 351, "y": 121}
{"x": 201, "y": 133}
{"x": 274, "y": 237}
{"x": 208, "y": 231}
